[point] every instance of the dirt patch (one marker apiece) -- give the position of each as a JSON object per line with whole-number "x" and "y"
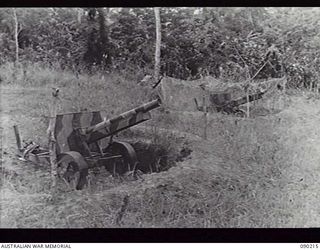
{"x": 157, "y": 158}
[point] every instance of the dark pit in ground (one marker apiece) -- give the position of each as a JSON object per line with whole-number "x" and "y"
{"x": 154, "y": 158}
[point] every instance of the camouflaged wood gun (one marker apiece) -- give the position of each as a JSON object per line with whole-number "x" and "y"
{"x": 85, "y": 140}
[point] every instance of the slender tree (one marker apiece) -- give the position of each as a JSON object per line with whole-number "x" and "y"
{"x": 158, "y": 44}
{"x": 16, "y": 24}
{"x": 79, "y": 14}
{"x": 104, "y": 36}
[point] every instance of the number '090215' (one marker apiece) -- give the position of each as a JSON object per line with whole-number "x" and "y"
{"x": 308, "y": 245}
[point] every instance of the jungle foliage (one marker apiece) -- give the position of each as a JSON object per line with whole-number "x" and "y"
{"x": 232, "y": 43}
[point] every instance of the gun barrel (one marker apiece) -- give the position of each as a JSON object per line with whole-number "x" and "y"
{"x": 122, "y": 121}
{"x": 251, "y": 98}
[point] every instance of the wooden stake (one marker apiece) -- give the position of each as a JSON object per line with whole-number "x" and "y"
{"x": 247, "y": 88}
{"x": 205, "y": 112}
{"x": 18, "y": 139}
{"x": 248, "y": 103}
{"x": 163, "y": 95}
{"x": 52, "y": 139}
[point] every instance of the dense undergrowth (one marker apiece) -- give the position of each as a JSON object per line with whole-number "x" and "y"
{"x": 232, "y": 179}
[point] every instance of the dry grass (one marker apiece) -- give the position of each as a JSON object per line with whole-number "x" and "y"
{"x": 241, "y": 176}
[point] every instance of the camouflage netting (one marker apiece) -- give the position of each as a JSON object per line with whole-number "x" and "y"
{"x": 179, "y": 95}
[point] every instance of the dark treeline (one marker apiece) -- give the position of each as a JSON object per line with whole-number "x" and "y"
{"x": 224, "y": 42}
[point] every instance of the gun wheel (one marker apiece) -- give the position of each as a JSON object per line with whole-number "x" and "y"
{"x": 127, "y": 163}
{"x": 240, "y": 113}
{"x": 73, "y": 169}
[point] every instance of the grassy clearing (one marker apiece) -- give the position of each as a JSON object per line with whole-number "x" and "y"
{"x": 236, "y": 178}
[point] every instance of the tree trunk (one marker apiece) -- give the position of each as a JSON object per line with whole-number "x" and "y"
{"x": 158, "y": 44}
{"x": 16, "y": 34}
{"x": 80, "y": 12}
{"x": 104, "y": 37}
